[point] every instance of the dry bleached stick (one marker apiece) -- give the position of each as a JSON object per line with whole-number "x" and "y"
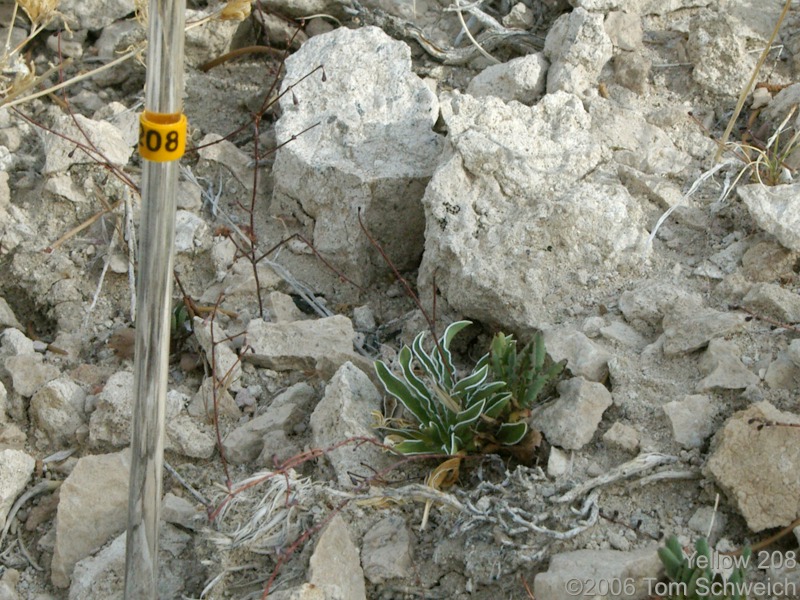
{"x": 590, "y": 509}
{"x": 45, "y": 486}
{"x": 519, "y": 40}
{"x": 414, "y": 491}
{"x": 643, "y": 462}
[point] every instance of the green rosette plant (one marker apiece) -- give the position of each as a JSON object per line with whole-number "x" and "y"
{"x": 482, "y": 410}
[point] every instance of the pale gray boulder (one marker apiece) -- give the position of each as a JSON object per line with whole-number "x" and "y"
{"x": 775, "y": 209}
{"x": 365, "y": 141}
{"x": 514, "y": 207}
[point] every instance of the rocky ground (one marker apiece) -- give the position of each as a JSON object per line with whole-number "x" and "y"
{"x": 563, "y": 181}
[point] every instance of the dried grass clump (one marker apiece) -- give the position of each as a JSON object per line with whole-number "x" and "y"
{"x": 40, "y": 12}
{"x": 16, "y": 75}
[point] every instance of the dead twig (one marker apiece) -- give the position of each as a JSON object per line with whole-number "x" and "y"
{"x": 766, "y": 319}
{"x": 205, "y": 67}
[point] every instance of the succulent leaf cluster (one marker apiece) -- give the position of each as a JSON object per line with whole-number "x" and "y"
{"x": 523, "y": 371}
{"x": 694, "y": 579}
{"x": 453, "y": 414}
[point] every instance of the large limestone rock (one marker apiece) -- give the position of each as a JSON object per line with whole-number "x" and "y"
{"x": 371, "y": 148}
{"x": 516, "y": 206}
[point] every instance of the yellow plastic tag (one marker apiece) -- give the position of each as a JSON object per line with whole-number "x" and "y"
{"x": 162, "y": 137}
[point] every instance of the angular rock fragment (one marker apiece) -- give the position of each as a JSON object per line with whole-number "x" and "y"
{"x": 687, "y": 330}
{"x": 757, "y": 466}
{"x": 568, "y": 568}
{"x": 60, "y": 153}
{"x": 345, "y": 411}
{"x": 57, "y": 409}
{"x": 335, "y": 565}
{"x": 94, "y": 14}
{"x": 202, "y": 404}
{"x": 16, "y": 468}
{"x": 584, "y": 357}
{"x": 7, "y": 317}
{"x": 93, "y": 508}
{"x": 558, "y": 463}
{"x": 281, "y": 308}
{"x": 15, "y": 343}
{"x": 622, "y": 436}
{"x": 692, "y": 419}
{"x": 775, "y": 301}
{"x": 191, "y": 232}
{"x": 111, "y": 420}
{"x": 624, "y": 334}
{"x": 520, "y": 17}
{"x": 211, "y": 40}
{"x": 775, "y": 209}
{"x": 298, "y": 345}
{"x": 716, "y": 47}
{"x": 386, "y": 550}
{"x": 645, "y": 306}
{"x": 624, "y": 29}
{"x": 110, "y": 423}
{"x": 784, "y": 371}
{"x": 180, "y": 511}
{"x": 29, "y": 372}
{"x": 246, "y": 443}
{"x": 767, "y": 260}
{"x": 571, "y": 421}
{"x": 723, "y": 368}
{"x": 521, "y": 79}
{"x": 216, "y": 149}
{"x": 637, "y": 144}
{"x": 578, "y": 47}
{"x": 186, "y": 438}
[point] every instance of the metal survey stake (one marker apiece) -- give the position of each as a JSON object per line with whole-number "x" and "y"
{"x": 162, "y": 139}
